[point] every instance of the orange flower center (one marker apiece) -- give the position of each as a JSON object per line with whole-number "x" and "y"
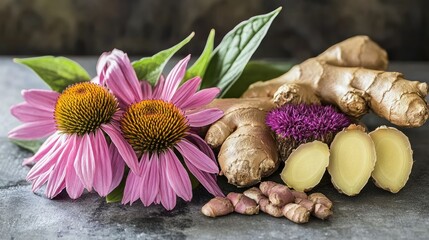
{"x": 153, "y": 125}
{"x": 83, "y": 107}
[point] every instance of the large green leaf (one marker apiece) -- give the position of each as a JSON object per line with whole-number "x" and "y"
{"x": 32, "y": 145}
{"x": 200, "y": 66}
{"x": 235, "y": 50}
{"x": 150, "y": 68}
{"x": 57, "y": 72}
{"x": 256, "y": 71}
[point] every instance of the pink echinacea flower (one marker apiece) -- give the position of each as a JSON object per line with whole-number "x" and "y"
{"x": 76, "y": 154}
{"x": 157, "y": 123}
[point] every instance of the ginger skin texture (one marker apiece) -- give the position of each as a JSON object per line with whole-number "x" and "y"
{"x": 248, "y": 150}
{"x": 394, "y": 158}
{"x": 351, "y": 75}
{"x": 352, "y": 160}
{"x": 218, "y": 206}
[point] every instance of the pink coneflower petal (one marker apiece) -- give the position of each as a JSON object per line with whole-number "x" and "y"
{"x": 25, "y": 112}
{"x": 186, "y": 91}
{"x": 204, "y": 117}
{"x": 202, "y": 145}
{"x": 146, "y": 90}
{"x": 33, "y": 130}
{"x": 103, "y": 164}
{"x": 157, "y": 90}
{"x": 206, "y": 179}
{"x": 201, "y": 98}
{"x": 40, "y": 180}
{"x": 173, "y": 79}
{"x": 74, "y": 186}
{"x": 118, "y": 166}
{"x": 47, "y": 146}
{"x": 196, "y": 157}
{"x": 123, "y": 146}
{"x": 58, "y": 173}
{"x": 47, "y": 160}
{"x": 168, "y": 197}
{"x": 132, "y": 189}
{"x": 85, "y": 164}
{"x": 150, "y": 179}
{"x": 42, "y": 99}
{"x": 121, "y": 78}
{"x": 177, "y": 176}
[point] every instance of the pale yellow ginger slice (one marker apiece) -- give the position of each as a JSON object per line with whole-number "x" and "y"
{"x": 394, "y": 158}
{"x": 352, "y": 160}
{"x": 305, "y": 167}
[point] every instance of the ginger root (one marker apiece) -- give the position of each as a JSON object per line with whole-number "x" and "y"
{"x": 350, "y": 75}
{"x": 248, "y": 150}
{"x": 278, "y": 194}
{"x": 394, "y": 158}
{"x": 352, "y": 160}
{"x": 322, "y": 205}
{"x": 264, "y": 203}
{"x": 296, "y": 213}
{"x": 306, "y": 166}
{"x": 243, "y": 204}
{"x": 218, "y": 206}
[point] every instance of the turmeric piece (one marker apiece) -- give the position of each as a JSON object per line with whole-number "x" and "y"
{"x": 394, "y": 158}
{"x": 243, "y": 204}
{"x": 350, "y": 75}
{"x": 218, "y": 206}
{"x": 352, "y": 160}
{"x": 306, "y": 166}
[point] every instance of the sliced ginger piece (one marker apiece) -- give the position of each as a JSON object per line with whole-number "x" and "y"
{"x": 394, "y": 158}
{"x": 305, "y": 167}
{"x": 352, "y": 160}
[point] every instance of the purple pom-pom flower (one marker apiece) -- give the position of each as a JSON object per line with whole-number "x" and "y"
{"x": 297, "y": 124}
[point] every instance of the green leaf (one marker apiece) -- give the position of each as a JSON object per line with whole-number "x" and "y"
{"x": 117, "y": 193}
{"x": 256, "y": 71}
{"x": 200, "y": 66}
{"x": 57, "y": 72}
{"x": 32, "y": 146}
{"x": 237, "y": 47}
{"x": 150, "y": 68}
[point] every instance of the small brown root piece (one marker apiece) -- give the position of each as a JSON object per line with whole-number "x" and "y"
{"x": 394, "y": 158}
{"x": 305, "y": 167}
{"x": 269, "y": 208}
{"x": 352, "y": 160}
{"x": 298, "y": 194}
{"x": 308, "y": 204}
{"x": 296, "y": 213}
{"x": 255, "y": 194}
{"x": 321, "y": 211}
{"x": 321, "y": 199}
{"x": 218, "y": 206}
{"x": 278, "y": 194}
{"x": 243, "y": 204}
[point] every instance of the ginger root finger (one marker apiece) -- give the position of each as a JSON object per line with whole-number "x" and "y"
{"x": 218, "y": 206}
{"x": 394, "y": 158}
{"x": 296, "y": 213}
{"x": 243, "y": 204}
{"x": 278, "y": 194}
{"x": 248, "y": 150}
{"x": 352, "y": 160}
{"x": 320, "y": 198}
{"x": 306, "y": 166}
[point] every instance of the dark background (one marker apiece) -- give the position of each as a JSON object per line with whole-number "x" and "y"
{"x": 142, "y": 27}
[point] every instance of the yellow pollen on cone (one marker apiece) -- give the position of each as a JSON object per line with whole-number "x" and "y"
{"x": 153, "y": 125}
{"x": 83, "y": 107}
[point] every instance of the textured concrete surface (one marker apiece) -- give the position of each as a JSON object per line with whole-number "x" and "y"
{"x": 373, "y": 214}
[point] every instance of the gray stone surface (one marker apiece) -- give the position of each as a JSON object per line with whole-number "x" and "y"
{"x": 373, "y": 214}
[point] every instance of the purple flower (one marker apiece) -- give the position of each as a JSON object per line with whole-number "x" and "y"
{"x": 302, "y": 122}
